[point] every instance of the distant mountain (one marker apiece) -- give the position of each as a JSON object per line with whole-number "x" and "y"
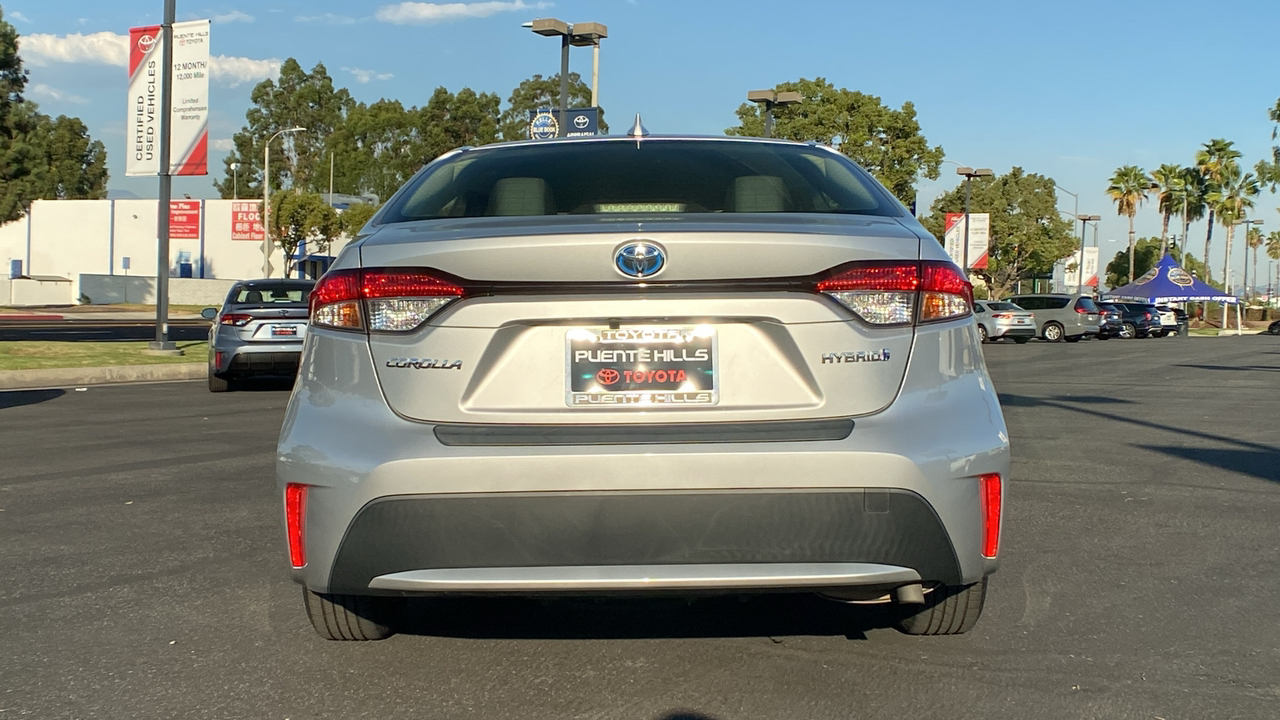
{"x": 122, "y": 195}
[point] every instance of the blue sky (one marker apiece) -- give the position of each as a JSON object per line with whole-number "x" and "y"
{"x": 1070, "y": 90}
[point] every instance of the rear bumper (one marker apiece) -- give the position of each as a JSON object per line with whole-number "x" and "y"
{"x": 421, "y": 542}
{"x": 401, "y": 506}
{"x": 1000, "y": 331}
{"x": 242, "y": 360}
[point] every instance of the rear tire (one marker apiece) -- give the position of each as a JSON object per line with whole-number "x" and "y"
{"x": 347, "y": 617}
{"x": 982, "y": 333}
{"x": 1052, "y": 332}
{"x": 218, "y": 383}
{"x": 1129, "y": 331}
{"x": 948, "y": 610}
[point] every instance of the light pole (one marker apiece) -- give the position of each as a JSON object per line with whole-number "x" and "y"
{"x": 969, "y": 174}
{"x": 235, "y": 181}
{"x": 769, "y": 98}
{"x": 266, "y": 199}
{"x": 1084, "y": 220}
{"x": 579, "y": 35}
{"x": 1247, "y": 225}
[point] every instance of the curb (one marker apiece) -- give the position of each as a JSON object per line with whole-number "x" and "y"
{"x": 19, "y": 316}
{"x": 67, "y": 377}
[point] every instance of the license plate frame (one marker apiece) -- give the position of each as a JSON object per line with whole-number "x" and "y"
{"x": 653, "y": 367}
{"x": 284, "y": 331}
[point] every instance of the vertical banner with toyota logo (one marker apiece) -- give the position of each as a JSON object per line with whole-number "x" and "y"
{"x": 979, "y": 236}
{"x": 189, "y": 116}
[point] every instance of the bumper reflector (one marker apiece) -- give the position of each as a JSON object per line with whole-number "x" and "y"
{"x": 295, "y": 513}
{"x": 991, "y": 504}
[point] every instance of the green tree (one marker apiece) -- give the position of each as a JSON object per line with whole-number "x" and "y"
{"x": 1191, "y": 199}
{"x": 536, "y": 93}
{"x": 1170, "y": 195}
{"x": 297, "y": 217}
{"x": 355, "y": 217}
{"x": 1027, "y": 233}
{"x": 1253, "y": 239}
{"x": 1147, "y": 254}
{"x": 1128, "y": 189}
{"x": 17, "y": 156}
{"x": 72, "y": 164}
{"x": 1213, "y": 158}
{"x": 1231, "y": 199}
{"x": 885, "y": 141}
{"x": 295, "y": 99}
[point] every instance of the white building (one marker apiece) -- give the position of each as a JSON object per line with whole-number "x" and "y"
{"x": 83, "y": 241}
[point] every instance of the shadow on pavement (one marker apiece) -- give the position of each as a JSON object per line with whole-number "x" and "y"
{"x": 1248, "y": 368}
{"x": 772, "y": 616}
{"x": 1261, "y": 464}
{"x": 1008, "y": 400}
{"x": 263, "y": 384}
{"x": 17, "y": 398}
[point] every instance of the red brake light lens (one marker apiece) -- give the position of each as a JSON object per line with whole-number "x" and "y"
{"x": 384, "y": 300}
{"x": 900, "y": 293}
{"x": 295, "y": 514}
{"x": 236, "y": 319}
{"x": 992, "y": 499}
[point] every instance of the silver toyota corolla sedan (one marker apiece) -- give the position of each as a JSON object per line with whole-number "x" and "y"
{"x": 633, "y": 365}
{"x": 258, "y": 330}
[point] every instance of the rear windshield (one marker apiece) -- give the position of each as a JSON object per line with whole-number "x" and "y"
{"x": 998, "y": 306}
{"x": 290, "y": 294}
{"x": 646, "y": 177}
{"x": 1087, "y": 305}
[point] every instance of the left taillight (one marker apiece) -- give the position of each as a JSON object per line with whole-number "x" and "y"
{"x": 236, "y": 319}
{"x": 900, "y": 293}
{"x": 295, "y": 515}
{"x": 380, "y": 299}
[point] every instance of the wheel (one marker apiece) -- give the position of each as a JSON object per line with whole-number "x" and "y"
{"x": 1022, "y": 340}
{"x": 1103, "y": 336}
{"x": 218, "y": 383}
{"x": 948, "y": 610}
{"x": 1052, "y": 332}
{"x": 347, "y": 617}
{"x": 1128, "y": 331}
{"x": 982, "y": 333}
{"x": 1073, "y": 338}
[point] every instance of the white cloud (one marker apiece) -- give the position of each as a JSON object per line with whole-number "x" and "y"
{"x": 108, "y": 48}
{"x": 102, "y": 48}
{"x": 19, "y": 17}
{"x": 41, "y": 90}
{"x": 233, "y": 71}
{"x": 327, "y": 19}
{"x": 233, "y": 16}
{"x": 364, "y": 76}
{"x": 223, "y": 145}
{"x": 422, "y": 13}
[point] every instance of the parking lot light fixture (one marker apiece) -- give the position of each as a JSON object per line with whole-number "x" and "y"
{"x": 769, "y": 99}
{"x": 580, "y": 35}
{"x": 969, "y": 174}
{"x": 1084, "y": 220}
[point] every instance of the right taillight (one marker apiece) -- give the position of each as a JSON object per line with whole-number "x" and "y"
{"x": 380, "y": 299}
{"x": 992, "y": 499}
{"x": 901, "y": 293}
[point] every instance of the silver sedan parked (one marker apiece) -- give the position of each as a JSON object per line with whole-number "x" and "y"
{"x": 258, "y": 331}
{"x": 1004, "y": 320}
{"x": 635, "y": 365}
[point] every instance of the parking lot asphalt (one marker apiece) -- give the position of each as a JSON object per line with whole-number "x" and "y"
{"x": 142, "y": 575}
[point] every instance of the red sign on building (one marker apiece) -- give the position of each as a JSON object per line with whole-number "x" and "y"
{"x": 246, "y": 220}
{"x": 184, "y": 219}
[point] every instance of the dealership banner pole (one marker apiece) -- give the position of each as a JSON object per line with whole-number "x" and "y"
{"x": 162, "y": 342}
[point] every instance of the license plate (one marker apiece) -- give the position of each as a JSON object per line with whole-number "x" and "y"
{"x": 284, "y": 331}
{"x": 1023, "y": 321}
{"x": 641, "y": 367}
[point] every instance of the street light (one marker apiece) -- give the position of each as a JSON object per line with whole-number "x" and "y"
{"x": 266, "y": 199}
{"x": 969, "y": 174}
{"x": 235, "y": 181}
{"x": 1246, "y": 224}
{"x": 580, "y": 35}
{"x": 1084, "y": 220}
{"x": 769, "y": 98}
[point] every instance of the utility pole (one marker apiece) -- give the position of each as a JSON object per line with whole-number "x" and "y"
{"x": 162, "y": 345}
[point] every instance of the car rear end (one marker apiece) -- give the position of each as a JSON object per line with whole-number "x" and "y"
{"x": 1010, "y": 321}
{"x": 629, "y": 366}
{"x": 1110, "y": 323}
{"x": 260, "y": 329}
{"x": 1088, "y": 318}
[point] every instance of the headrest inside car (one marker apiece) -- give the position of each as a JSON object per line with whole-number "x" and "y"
{"x": 759, "y": 193}
{"x": 518, "y": 196}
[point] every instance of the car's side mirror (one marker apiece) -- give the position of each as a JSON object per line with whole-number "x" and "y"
{"x": 209, "y": 313}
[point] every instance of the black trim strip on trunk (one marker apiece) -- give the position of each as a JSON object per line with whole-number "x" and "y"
{"x": 636, "y": 434}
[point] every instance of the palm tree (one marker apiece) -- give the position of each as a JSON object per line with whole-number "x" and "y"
{"x": 1191, "y": 200}
{"x": 1212, "y": 159}
{"x": 1253, "y": 240}
{"x": 1273, "y": 252}
{"x": 1129, "y": 186}
{"x": 1232, "y": 199}
{"x": 1169, "y": 200}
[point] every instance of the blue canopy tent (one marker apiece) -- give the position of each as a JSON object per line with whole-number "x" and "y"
{"x": 1167, "y": 282}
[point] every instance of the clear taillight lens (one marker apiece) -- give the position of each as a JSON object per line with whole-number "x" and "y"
{"x": 900, "y": 293}
{"x": 380, "y": 299}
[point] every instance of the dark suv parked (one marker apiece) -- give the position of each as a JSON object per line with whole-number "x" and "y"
{"x": 1138, "y": 320}
{"x": 1111, "y": 320}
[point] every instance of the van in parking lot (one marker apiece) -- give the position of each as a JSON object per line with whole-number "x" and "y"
{"x": 1062, "y": 317}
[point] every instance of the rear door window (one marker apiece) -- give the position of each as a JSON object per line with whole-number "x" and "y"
{"x": 1056, "y": 303}
{"x": 1086, "y": 305}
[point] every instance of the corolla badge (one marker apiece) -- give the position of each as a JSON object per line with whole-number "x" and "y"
{"x": 640, "y": 259}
